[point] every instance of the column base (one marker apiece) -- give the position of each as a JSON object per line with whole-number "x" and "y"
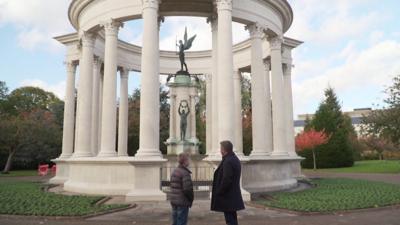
{"x": 82, "y": 155}
{"x": 258, "y": 154}
{"x": 107, "y": 154}
{"x": 62, "y": 171}
{"x": 280, "y": 154}
{"x": 148, "y": 154}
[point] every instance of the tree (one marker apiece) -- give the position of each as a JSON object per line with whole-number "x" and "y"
{"x": 380, "y": 145}
{"x": 27, "y": 99}
{"x": 385, "y": 123}
{"x": 30, "y": 127}
{"x": 33, "y": 135}
{"x": 3, "y": 97}
{"x": 310, "y": 139}
{"x": 246, "y": 115}
{"x": 338, "y": 151}
{"x": 133, "y": 122}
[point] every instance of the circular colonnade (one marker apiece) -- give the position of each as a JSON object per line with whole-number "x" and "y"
{"x": 91, "y": 161}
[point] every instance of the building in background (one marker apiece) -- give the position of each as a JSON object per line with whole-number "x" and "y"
{"x": 355, "y": 115}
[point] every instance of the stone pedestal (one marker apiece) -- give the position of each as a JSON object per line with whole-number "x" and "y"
{"x": 146, "y": 189}
{"x": 273, "y": 174}
{"x": 136, "y": 179}
{"x": 61, "y": 173}
{"x": 183, "y": 90}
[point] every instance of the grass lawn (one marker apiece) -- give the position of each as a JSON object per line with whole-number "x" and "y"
{"x": 337, "y": 195}
{"x": 371, "y": 166}
{"x": 20, "y": 173}
{"x": 27, "y": 198}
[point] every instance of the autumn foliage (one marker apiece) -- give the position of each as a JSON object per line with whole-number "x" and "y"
{"x": 310, "y": 139}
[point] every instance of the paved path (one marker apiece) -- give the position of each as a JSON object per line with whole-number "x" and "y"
{"x": 148, "y": 215}
{"x": 158, "y": 213}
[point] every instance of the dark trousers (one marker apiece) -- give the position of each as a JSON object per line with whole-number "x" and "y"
{"x": 231, "y": 218}
{"x": 180, "y": 215}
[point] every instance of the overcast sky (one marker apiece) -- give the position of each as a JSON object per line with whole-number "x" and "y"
{"x": 350, "y": 45}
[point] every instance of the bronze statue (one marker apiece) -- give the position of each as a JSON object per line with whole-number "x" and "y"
{"x": 184, "y": 45}
{"x": 184, "y": 115}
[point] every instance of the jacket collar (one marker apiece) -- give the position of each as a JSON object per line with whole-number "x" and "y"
{"x": 185, "y": 168}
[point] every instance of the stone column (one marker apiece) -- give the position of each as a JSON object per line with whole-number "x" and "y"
{"x": 214, "y": 152}
{"x": 287, "y": 83}
{"x": 101, "y": 84}
{"x": 69, "y": 112}
{"x": 148, "y": 158}
{"x": 258, "y": 102}
{"x": 209, "y": 100}
{"x": 123, "y": 114}
{"x": 84, "y": 106}
{"x": 95, "y": 105}
{"x": 268, "y": 129}
{"x": 237, "y": 102}
{"x": 225, "y": 78}
{"x": 278, "y": 99}
{"x": 149, "y": 99}
{"x": 172, "y": 115}
{"x": 193, "y": 115}
{"x": 109, "y": 113}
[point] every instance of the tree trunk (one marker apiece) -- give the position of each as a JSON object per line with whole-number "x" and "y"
{"x": 315, "y": 162}
{"x": 9, "y": 162}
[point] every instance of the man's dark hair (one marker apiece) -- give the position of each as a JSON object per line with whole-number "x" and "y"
{"x": 227, "y": 146}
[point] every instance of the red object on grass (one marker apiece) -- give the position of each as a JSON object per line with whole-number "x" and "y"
{"x": 54, "y": 169}
{"x": 43, "y": 169}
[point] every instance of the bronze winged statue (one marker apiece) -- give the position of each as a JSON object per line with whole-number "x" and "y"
{"x": 184, "y": 45}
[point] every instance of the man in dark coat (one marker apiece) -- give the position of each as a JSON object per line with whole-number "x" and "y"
{"x": 181, "y": 195}
{"x": 226, "y": 195}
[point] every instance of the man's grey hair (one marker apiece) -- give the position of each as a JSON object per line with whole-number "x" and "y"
{"x": 182, "y": 157}
{"x": 227, "y": 146}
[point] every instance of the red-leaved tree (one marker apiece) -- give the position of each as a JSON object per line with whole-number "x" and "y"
{"x": 310, "y": 139}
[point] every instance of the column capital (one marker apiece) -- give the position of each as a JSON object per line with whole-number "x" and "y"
{"x": 151, "y": 4}
{"x": 124, "y": 73}
{"x": 213, "y": 21}
{"x": 208, "y": 77}
{"x": 87, "y": 39}
{"x": 256, "y": 30}
{"x": 111, "y": 27}
{"x": 267, "y": 65}
{"x": 275, "y": 42}
{"x": 287, "y": 68}
{"x": 97, "y": 61}
{"x": 237, "y": 75}
{"x": 71, "y": 66}
{"x": 224, "y": 5}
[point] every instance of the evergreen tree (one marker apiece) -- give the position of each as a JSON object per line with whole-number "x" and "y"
{"x": 338, "y": 151}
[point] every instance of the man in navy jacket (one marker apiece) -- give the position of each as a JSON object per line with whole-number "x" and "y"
{"x": 226, "y": 195}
